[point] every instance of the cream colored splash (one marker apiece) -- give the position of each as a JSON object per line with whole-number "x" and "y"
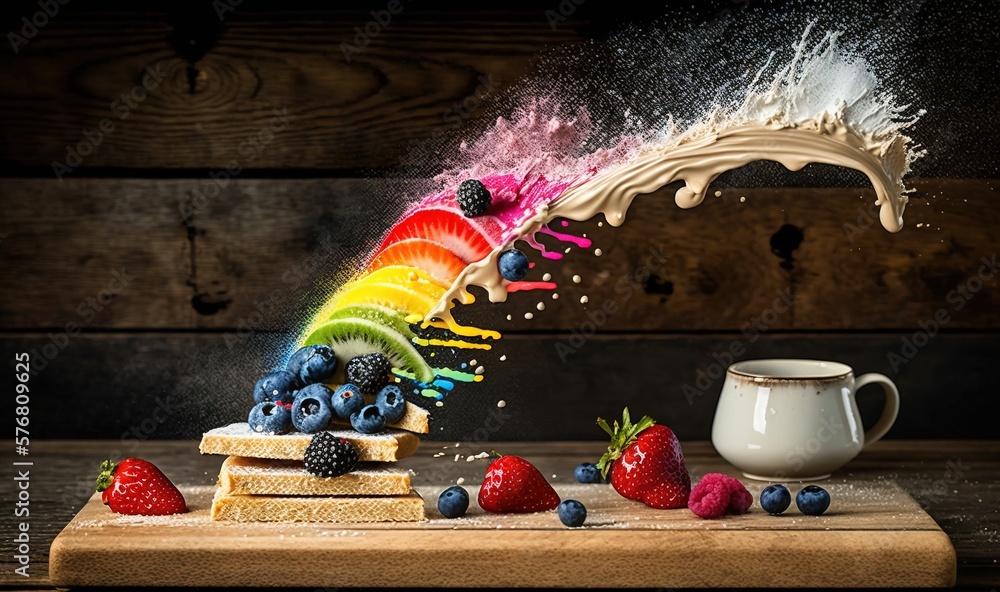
{"x": 822, "y": 107}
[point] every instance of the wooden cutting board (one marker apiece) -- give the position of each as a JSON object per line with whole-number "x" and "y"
{"x": 874, "y": 535}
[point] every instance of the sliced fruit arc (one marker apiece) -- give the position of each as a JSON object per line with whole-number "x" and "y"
{"x": 433, "y": 258}
{"x": 410, "y": 278}
{"x": 353, "y": 337}
{"x": 387, "y": 317}
{"x": 391, "y": 296}
{"x": 446, "y": 227}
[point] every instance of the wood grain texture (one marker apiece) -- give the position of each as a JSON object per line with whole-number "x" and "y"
{"x": 222, "y": 82}
{"x": 226, "y": 77}
{"x": 263, "y": 252}
{"x": 957, "y": 482}
{"x": 139, "y": 386}
{"x": 867, "y": 540}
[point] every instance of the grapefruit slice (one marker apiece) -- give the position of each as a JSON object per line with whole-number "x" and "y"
{"x": 429, "y": 256}
{"x": 353, "y": 337}
{"x": 446, "y": 227}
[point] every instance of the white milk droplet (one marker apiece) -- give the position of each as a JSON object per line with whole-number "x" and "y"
{"x": 501, "y": 404}
{"x": 743, "y": 200}
{"x": 540, "y": 306}
{"x": 509, "y": 317}
{"x": 480, "y": 369}
{"x": 460, "y": 480}
{"x": 555, "y": 296}
{"x": 472, "y": 363}
{"x": 577, "y": 279}
{"x": 718, "y": 194}
{"x": 598, "y": 252}
{"x": 529, "y": 315}
{"x": 546, "y": 277}
{"x": 503, "y": 358}
{"x": 584, "y": 300}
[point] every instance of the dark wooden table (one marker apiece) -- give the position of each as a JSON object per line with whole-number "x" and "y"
{"x": 957, "y": 482}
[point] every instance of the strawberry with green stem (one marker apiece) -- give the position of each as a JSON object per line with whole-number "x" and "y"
{"x": 646, "y": 463}
{"x": 135, "y": 486}
{"x": 513, "y": 485}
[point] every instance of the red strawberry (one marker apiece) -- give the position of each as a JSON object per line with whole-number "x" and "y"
{"x": 135, "y": 486}
{"x": 514, "y": 485}
{"x": 646, "y": 463}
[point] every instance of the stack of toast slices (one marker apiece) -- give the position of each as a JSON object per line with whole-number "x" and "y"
{"x": 264, "y": 479}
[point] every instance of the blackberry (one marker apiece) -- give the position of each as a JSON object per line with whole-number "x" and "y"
{"x": 329, "y": 456}
{"x": 369, "y": 372}
{"x": 473, "y": 197}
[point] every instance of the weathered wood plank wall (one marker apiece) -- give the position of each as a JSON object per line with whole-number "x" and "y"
{"x": 180, "y": 297}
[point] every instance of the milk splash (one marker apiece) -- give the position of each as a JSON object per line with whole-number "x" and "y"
{"x": 824, "y": 105}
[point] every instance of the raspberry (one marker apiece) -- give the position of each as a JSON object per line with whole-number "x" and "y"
{"x": 740, "y": 499}
{"x": 710, "y": 498}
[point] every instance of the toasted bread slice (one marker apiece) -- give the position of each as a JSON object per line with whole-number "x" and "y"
{"x": 275, "y": 508}
{"x": 254, "y": 476}
{"x": 239, "y": 440}
{"x": 415, "y": 419}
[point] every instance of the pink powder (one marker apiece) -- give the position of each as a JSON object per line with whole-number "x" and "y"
{"x": 526, "y": 162}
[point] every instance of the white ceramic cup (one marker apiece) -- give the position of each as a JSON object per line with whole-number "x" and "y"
{"x": 795, "y": 419}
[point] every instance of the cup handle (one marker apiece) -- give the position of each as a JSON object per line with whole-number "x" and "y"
{"x": 889, "y": 412}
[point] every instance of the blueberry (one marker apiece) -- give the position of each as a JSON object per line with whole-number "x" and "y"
{"x": 315, "y": 363}
{"x": 311, "y": 411}
{"x": 812, "y": 500}
{"x": 294, "y": 363}
{"x": 346, "y": 401}
{"x": 453, "y": 502}
{"x": 587, "y": 473}
{"x": 513, "y": 265}
{"x": 775, "y": 499}
{"x": 572, "y": 513}
{"x": 269, "y": 418}
{"x": 369, "y": 420}
{"x": 391, "y": 403}
{"x": 276, "y": 386}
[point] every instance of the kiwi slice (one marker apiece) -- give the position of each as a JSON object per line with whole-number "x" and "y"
{"x": 352, "y": 337}
{"x": 387, "y": 317}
